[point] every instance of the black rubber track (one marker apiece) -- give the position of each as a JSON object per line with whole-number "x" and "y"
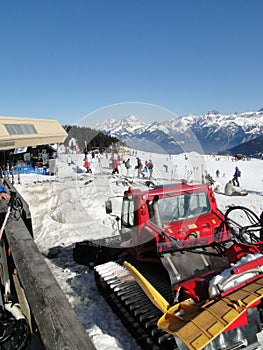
{"x": 133, "y": 307}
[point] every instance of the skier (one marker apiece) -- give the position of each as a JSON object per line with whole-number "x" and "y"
{"x": 237, "y": 174}
{"x": 69, "y": 160}
{"x": 127, "y": 165}
{"x": 145, "y": 169}
{"x": 139, "y": 167}
{"x": 115, "y": 167}
{"x": 146, "y": 165}
{"x": 209, "y": 178}
{"x": 150, "y": 168}
{"x": 86, "y": 164}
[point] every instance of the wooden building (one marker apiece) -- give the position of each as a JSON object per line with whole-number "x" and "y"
{"x": 24, "y": 132}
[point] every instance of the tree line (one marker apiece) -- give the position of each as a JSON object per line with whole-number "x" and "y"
{"x": 88, "y": 139}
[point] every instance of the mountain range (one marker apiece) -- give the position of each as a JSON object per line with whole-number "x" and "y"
{"x": 206, "y": 133}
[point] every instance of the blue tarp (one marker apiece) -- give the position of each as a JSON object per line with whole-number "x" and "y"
{"x": 27, "y": 169}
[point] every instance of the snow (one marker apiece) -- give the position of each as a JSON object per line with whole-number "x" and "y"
{"x": 67, "y": 208}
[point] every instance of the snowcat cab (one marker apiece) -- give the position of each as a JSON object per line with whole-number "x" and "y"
{"x": 167, "y": 213}
{"x": 161, "y": 214}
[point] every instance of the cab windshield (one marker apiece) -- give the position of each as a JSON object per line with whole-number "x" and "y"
{"x": 181, "y": 207}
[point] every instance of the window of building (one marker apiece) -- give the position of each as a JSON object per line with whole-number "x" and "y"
{"x": 20, "y": 129}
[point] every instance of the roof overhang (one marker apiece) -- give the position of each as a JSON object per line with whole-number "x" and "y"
{"x": 25, "y": 132}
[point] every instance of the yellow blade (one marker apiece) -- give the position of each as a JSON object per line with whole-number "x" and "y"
{"x": 156, "y": 298}
{"x": 198, "y": 326}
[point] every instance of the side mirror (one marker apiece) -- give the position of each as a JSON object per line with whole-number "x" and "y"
{"x": 108, "y": 207}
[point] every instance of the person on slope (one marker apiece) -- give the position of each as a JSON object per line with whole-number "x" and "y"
{"x": 139, "y": 167}
{"x": 128, "y": 166}
{"x": 231, "y": 190}
{"x": 145, "y": 168}
{"x": 115, "y": 167}
{"x": 86, "y": 164}
{"x": 236, "y": 175}
{"x": 150, "y": 168}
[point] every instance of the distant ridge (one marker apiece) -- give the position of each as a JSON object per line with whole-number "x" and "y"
{"x": 253, "y": 148}
{"x": 213, "y": 132}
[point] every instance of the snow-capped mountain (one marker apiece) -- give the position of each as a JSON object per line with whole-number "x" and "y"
{"x": 211, "y": 132}
{"x": 122, "y": 128}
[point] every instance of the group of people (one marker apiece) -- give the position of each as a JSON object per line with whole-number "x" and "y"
{"x": 147, "y": 168}
{"x": 142, "y": 169}
{"x": 231, "y": 188}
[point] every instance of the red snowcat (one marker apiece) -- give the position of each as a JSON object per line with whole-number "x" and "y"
{"x": 181, "y": 274}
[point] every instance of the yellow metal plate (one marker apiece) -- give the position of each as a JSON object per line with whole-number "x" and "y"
{"x": 198, "y": 326}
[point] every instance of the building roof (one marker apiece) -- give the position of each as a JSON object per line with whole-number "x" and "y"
{"x": 25, "y": 132}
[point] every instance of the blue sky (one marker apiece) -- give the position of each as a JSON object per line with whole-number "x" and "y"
{"x": 65, "y": 59}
